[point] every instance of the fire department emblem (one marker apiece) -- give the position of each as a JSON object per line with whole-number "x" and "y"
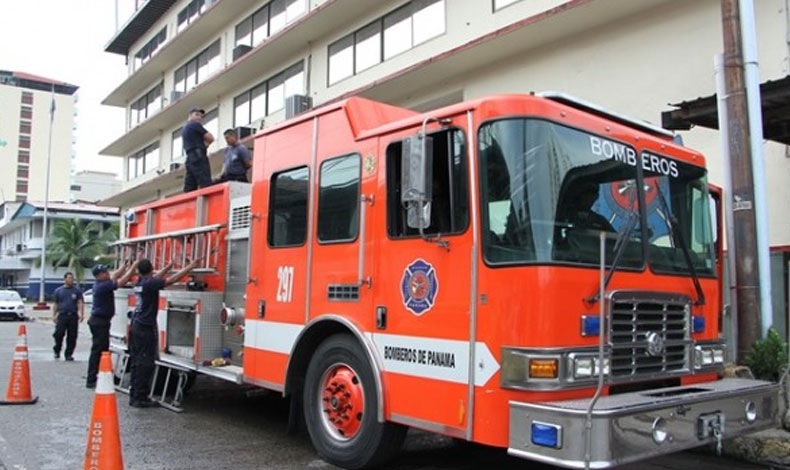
{"x": 419, "y": 287}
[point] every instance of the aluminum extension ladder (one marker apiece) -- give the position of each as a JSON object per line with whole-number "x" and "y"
{"x": 180, "y": 247}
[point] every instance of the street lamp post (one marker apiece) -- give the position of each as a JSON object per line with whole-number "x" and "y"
{"x": 42, "y": 305}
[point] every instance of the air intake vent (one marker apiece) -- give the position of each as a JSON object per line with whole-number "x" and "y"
{"x": 343, "y": 292}
{"x": 240, "y": 218}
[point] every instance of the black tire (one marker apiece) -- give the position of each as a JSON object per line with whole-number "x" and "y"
{"x": 373, "y": 443}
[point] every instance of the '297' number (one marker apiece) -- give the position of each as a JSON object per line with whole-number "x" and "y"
{"x": 285, "y": 287}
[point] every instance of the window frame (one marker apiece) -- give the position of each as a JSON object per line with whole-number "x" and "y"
{"x": 195, "y": 62}
{"x": 272, "y": 189}
{"x": 382, "y": 29}
{"x": 147, "y": 99}
{"x": 145, "y": 53}
{"x": 318, "y": 199}
{"x": 139, "y": 157}
{"x": 247, "y": 94}
{"x": 465, "y": 180}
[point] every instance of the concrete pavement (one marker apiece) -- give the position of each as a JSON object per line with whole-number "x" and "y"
{"x": 221, "y": 427}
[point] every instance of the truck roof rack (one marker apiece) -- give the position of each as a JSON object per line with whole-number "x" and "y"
{"x": 584, "y": 105}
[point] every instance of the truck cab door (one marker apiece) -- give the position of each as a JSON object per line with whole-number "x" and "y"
{"x": 422, "y": 285}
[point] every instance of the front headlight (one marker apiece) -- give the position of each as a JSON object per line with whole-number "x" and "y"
{"x": 20, "y": 308}
{"x": 586, "y": 367}
{"x": 708, "y": 355}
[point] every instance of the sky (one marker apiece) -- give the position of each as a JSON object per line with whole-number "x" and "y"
{"x": 64, "y": 40}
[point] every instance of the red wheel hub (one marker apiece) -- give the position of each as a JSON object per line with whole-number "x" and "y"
{"x": 343, "y": 401}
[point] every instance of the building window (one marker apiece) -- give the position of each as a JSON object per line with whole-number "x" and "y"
{"x": 148, "y": 51}
{"x": 498, "y": 4}
{"x": 24, "y": 127}
{"x": 24, "y": 141}
{"x": 211, "y": 122}
{"x": 268, "y": 97}
{"x": 449, "y": 202}
{"x": 338, "y": 199}
{"x": 22, "y": 172}
{"x": 191, "y": 12}
{"x": 268, "y": 20}
{"x": 288, "y": 208}
{"x": 21, "y": 187}
{"x": 143, "y": 161}
{"x": 23, "y": 156}
{"x": 177, "y": 149}
{"x": 388, "y": 36}
{"x": 75, "y": 187}
{"x": 146, "y": 106}
{"x": 27, "y": 97}
{"x": 26, "y": 112}
{"x": 198, "y": 69}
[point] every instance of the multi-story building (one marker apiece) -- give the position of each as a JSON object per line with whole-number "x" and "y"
{"x": 21, "y": 230}
{"x": 241, "y": 61}
{"x": 25, "y": 107}
{"x": 93, "y": 186}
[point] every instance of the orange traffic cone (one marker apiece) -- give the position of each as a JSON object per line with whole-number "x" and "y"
{"x": 104, "y": 438}
{"x": 19, "y": 390}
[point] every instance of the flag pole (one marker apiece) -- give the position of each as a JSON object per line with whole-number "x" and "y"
{"x": 41, "y": 304}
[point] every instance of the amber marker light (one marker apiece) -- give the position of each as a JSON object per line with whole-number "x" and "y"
{"x": 543, "y": 368}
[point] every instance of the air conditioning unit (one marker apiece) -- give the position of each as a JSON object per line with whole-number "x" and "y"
{"x": 175, "y": 95}
{"x": 243, "y": 132}
{"x": 297, "y": 104}
{"x": 240, "y": 50}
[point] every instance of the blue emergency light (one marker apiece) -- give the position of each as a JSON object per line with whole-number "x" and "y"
{"x": 546, "y": 435}
{"x": 697, "y": 324}
{"x": 591, "y": 326}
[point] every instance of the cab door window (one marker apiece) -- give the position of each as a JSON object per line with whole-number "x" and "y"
{"x": 288, "y": 208}
{"x": 450, "y": 195}
{"x": 338, "y": 200}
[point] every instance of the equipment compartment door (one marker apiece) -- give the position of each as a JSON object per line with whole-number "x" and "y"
{"x": 423, "y": 283}
{"x": 279, "y": 238}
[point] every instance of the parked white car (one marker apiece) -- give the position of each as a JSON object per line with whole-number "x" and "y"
{"x": 11, "y": 305}
{"x": 87, "y": 298}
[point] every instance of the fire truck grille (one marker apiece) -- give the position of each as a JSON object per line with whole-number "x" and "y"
{"x": 649, "y": 334}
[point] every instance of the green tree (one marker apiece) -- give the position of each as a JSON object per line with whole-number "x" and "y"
{"x": 75, "y": 245}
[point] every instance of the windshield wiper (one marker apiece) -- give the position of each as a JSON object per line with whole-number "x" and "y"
{"x": 674, "y": 226}
{"x": 619, "y": 247}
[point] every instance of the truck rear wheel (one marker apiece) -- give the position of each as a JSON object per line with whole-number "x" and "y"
{"x": 340, "y": 405}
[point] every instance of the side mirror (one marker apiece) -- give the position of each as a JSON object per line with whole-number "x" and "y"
{"x": 416, "y": 179}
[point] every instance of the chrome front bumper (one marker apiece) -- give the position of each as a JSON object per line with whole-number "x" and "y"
{"x": 623, "y": 425}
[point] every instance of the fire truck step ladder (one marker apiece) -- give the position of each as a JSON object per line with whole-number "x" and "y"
{"x": 179, "y": 247}
{"x": 120, "y": 369}
{"x": 172, "y": 375}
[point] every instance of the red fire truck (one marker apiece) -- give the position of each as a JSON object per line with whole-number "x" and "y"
{"x": 530, "y": 272}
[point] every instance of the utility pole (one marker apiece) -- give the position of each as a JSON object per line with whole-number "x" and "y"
{"x": 742, "y": 196}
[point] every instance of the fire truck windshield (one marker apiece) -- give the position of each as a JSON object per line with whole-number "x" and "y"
{"x": 548, "y": 190}
{"x": 678, "y": 207}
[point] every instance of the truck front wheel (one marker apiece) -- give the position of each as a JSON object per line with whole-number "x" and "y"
{"x": 340, "y": 405}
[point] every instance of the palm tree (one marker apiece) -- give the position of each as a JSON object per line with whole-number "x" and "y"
{"x": 75, "y": 245}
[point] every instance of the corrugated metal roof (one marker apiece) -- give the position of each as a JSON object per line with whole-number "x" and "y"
{"x": 138, "y": 25}
{"x": 775, "y": 97}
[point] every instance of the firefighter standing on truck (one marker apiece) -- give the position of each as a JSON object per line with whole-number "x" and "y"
{"x": 102, "y": 311}
{"x": 196, "y": 139}
{"x": 143, "y": 334}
